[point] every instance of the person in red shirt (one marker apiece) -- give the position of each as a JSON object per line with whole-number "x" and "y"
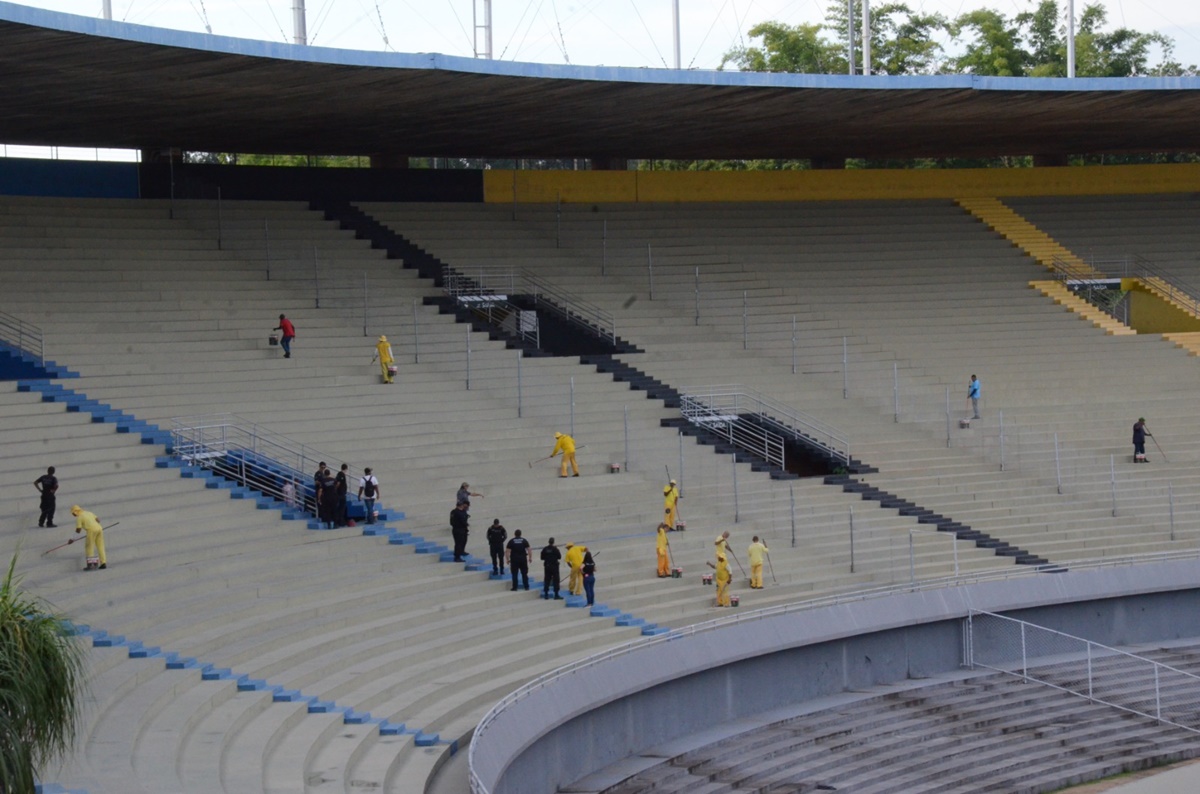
{"x": 289, "y": 333}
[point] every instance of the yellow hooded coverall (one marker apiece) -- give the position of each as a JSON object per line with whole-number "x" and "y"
{"x": 671, "y": 505}
{"x": 383, "y": 351}
{"x": 86, "y": 521}
{"x": 565, "y": 445}
{"x": 723, "y": 577}
{"x": 664, "y": 558}
{"x": 721, "y": 544}
{"x": 755, "y": 556}
{"x": 574, "y": 558}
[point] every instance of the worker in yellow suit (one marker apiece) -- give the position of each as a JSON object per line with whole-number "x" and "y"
{"x": 724, "y": 576}
{"x": 86, "y": 521}
{"x": 574, "y": 558}
{"x": 383, "y": 352}
{"x": 722, "y": 543}
{"x": 755, "y": 553}
{"x": 662, "y": 546}
{"x": 566, "y": 445}
{"x": 671, "y": 505}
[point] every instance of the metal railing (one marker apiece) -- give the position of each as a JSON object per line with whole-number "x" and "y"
{"x": 833, "y": 599}
{"x": 1099, "y": 273}
{"x": 492, "y": 306}
{"x": 22, "y": 335}
{"x": 775, "y": 419}
{"x": 266, "y": 461}
{"x": 458, "y": 282}
{"x": 1081, "y": 667}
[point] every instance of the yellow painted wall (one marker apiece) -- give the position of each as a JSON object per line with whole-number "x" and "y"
{"x": 1150, "y": 314}
{"x": 604, "y": 187}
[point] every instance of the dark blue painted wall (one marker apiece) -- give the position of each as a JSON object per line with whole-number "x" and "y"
{"x": 71, "y": 178}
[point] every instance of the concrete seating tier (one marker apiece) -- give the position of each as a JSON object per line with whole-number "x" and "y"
{"x": 195, "y": 575}
{"x": 960, "y": 305}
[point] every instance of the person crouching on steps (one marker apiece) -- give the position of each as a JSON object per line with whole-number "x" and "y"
{"x": 86, "y": 521}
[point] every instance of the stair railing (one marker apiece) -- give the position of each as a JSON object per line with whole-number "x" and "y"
{"x": 479, "y": 293}
{"x": 730, "y": 426}
{"x": 1082, "y": 667}
{"x": 508, "y": 281}
{"x": 1099, "y": 273}
{"x": 261, "y": 459}
{"x": 775, "y": 418}
{"x": 22, "y": 335}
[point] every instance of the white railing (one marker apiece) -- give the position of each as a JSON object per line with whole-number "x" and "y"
{"x": 729, "y": 425}
{"x": 833, "y": 599}
{"x": 22, "y": 335}
{"x": 1081, "y": 667}
{"x": 777, "y": 419}
{"x": 265, "y": 460}
{"x": 468, "y": 281}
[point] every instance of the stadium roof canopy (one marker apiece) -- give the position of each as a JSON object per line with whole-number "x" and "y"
{"x": 77, "y": 81}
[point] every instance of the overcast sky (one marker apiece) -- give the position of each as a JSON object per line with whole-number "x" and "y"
{"x": 610, "y": 32}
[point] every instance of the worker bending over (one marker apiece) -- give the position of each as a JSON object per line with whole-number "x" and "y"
{"x": 566, "y": 445}
{"x": 86, "y": 521}
{"x": 574, "y": 559}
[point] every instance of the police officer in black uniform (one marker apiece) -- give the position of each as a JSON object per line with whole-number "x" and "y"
{"x": 47, "y": 486}
{"x": 551, "y": 557}
{"x": 519, "y": 555}
{"x": 496, "y": 535}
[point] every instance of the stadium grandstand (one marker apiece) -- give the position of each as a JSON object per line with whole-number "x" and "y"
{"x": 959, "y": 597}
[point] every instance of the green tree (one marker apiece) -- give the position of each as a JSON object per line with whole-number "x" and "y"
{"x": 787, "y": 48}
{"x": 995, "y": 46}
{"x": 902, "y": 42}
{"x": 41, "y": 685}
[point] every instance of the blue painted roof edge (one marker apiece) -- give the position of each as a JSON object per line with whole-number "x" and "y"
{"x": 228, "y": 45}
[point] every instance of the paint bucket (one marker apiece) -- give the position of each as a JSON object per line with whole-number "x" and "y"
{"x": 734, "y": 600}
{"x": 676, "y": 573}
{"x": 706, "y": 578}
{"x": 614, "y": 468}
{"x": 272, "y": 340}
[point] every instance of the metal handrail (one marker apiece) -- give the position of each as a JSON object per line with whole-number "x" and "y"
{"x": 782, "y": 418}
{"x": 1087, "y": 677}
{"x": 1099, "y": 270}
{"x": 499, "y": 280}
{"x": 267, "y": 460}
{"x": 22, "y": 335}
{"x": 730, "y": 426}
{"x": 833, "y": 599}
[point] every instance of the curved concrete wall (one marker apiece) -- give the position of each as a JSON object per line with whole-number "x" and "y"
{"x": 591, "y": 717}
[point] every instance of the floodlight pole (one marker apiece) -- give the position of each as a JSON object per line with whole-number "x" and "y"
{"x": 675, "y": 27}
{"x": 108, "y": 9}
{"x": 1070, "y": 38}
{"x": 866, "y": 37}
{"x": 850, "y": 34}
{"x": 484, "y": 27}
{"x": 299, "y": 25}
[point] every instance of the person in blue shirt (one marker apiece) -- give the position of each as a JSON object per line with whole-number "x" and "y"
{"x": 973, "y": 395}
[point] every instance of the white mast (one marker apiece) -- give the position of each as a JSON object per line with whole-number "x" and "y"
{"x": 299, "y": 25}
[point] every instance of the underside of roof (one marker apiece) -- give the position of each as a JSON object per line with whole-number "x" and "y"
{"x": 76, "y": 81}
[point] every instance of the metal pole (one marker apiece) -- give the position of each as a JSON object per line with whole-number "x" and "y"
{"x": 171, "y": 166}
{"x": 866, "y": 36}
{"x": 1171, "y": 505}
{"x": 1070, "y": 38}
{"x": 675, "y": 27}
{"x": 947, "y": 416}
{"x": 954, "y": 542}
{"x": 220, "y": 224}
{"x": 736, "y": 512}
{"x": 1112, "y": 466}
{"x": 1089, "y": 668}
{"x": 1002, "y": 441}
{"x": 366, "y": 300}
{"x": 650, "y": 269}
{"x": 558, "y": 223}
{"x": 572, "y": 405}
{"x": 1057, "y": 464}
{"x": 745, "y": 346}
{"x": 468, "y": 358}
{"x": 680, "y": 463}
{"x": 267, "y": 245}
{"x": 895, "y": 392}
{"x": 850, "y": 34}
{"x": 316, "y": 280}
{"x": 416, "y": 336}
{"x": 845, "y": 367}
{"x": 912, "y": 561}
{"x": 604, "y": 249}
{"x": 792, "y": 499}
{"x": 626, "y": 438}
{"x": 107, "y": 10}
{"x": 519, "y": 384}
{"x": 697, "y": 296}
{"x": 852, "y": 539}
{"x": 300, "y": 32}
{"x": 1024, "y": 656}
{"x": 793, "y": 344}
